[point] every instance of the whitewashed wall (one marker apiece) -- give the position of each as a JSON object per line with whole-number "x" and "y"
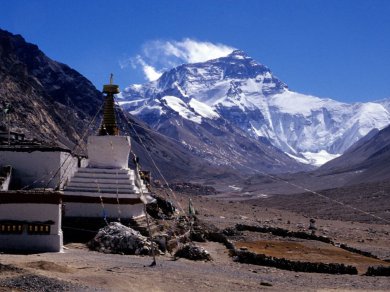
{"x": 109, "y": 151}
{"x": 30, "y": 212}
{"x": 35, "y": 168}
{"x": 110, "y": 210}
{"x": 5, "y": 185}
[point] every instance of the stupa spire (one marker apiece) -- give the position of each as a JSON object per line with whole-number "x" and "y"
{"x": 109, "y": 126}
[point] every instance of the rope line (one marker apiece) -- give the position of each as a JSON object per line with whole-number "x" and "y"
{"x": 276, "y": 178}
{"x": 79, "y": 229}
{"x": 177, "y": 219}
{"x": 72, "y": 151}
{"x": 117, "y": 199}
{"x": 152, "y": 160}
{"x": 104, "y": 210}
{"x": 143, "y": 199}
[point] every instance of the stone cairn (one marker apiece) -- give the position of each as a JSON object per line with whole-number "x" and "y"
{"x": 312, "y": 226}
{"x": 117, "y": 238}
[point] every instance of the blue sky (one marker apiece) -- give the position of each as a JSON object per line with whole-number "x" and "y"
{"x": 330, "y": 48}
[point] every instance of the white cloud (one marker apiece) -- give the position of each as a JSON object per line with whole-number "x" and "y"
{"x": 186, "y": 51}
{"x": 192, "y": 51}
{"x": 150, "y": 72}
{"x": 158, "y": 56}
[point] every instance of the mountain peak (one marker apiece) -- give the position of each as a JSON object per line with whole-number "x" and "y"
{"x": 245, "y": 93}
{"x": 238, "y": 54}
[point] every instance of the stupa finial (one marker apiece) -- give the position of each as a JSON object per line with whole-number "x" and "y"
{"x": 109, "y": 126}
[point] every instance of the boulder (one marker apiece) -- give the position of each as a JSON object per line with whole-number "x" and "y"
{"x": 193, "y": 252}
{"x": 117, "y": 238}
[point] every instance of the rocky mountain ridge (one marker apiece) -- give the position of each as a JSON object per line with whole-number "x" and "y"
{"x": 48, "y": 100}
{"x": 368, "y": 159}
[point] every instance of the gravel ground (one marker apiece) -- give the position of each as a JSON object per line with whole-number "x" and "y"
{"x": 91, "y": 271}
{"x": 78, "y": 269}
{"x": 30, "y": 282}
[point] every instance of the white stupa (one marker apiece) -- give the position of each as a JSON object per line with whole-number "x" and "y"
{"x": 106, "y": 187}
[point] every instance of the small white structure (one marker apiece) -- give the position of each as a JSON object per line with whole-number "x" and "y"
{"x": 35, "y": 165}
{"x": 30, "y": 221}
{"x": 106, "y": 187}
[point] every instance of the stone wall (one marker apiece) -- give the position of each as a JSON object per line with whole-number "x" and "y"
{"x": 378, "y": 271}
{"x": 297, "y": 266}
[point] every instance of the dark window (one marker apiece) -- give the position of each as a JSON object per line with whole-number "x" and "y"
{"x": 11, "y": 228}
{"x": 38, "y": 229}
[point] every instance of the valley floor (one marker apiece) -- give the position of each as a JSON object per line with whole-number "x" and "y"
{"x": 78, "y": 269}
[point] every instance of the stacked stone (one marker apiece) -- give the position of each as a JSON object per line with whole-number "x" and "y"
{"x": 285, "y": 264}
{"x": 378, "y": 271}
{"x": 193, "y": 252}
{"x": 282, "y": 232}
{"x": 161, "y": 208}
{"x": 358, "y": 251}
{"x": 117, "y": 238}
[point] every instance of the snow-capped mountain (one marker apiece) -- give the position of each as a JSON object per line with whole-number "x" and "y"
{"x": 244, "y": 93}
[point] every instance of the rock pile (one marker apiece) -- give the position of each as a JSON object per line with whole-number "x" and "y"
{"x": 117, "y": 238}
{"x": 161, "y": 208}
{"x": 193, "y": 252}
{"x": 201, "y": 231}
{"x": 193, "y": 189}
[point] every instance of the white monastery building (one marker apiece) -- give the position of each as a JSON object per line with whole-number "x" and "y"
{"x": 43, "y": 186}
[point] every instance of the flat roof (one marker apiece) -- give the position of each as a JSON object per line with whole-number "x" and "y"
{"x": 33, "y": 147}
{"x": 31, "y": 196}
